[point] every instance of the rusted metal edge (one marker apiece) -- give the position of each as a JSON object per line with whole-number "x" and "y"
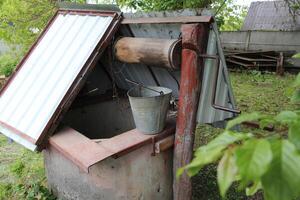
{"x": 18, "y": 132}
{"x": 167, "y": 132}
{"x": 85, "y": 152}
{"x": 164, "y": 144}
{"x": 79, "y": 81}
{"x": 169, "y": 20}
{"x": 79, "y": 149}
{"x": 69, "y": 156}
{"x": 85, "y": 12}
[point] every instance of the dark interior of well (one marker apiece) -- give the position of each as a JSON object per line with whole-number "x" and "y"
{"x": 101, "y": 110}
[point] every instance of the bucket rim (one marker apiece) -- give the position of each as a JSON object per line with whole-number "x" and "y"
{"x": 168, "y": 93}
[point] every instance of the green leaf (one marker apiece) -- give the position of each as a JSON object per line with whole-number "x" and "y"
{"x": 223, "y": 140}
{"x": 296, "y": 55}
{"x": 282, "y": 180}
{"x": 296, "y": 96}
{"x": 254, "y": 188}
{"x": 294, "y": 134}
{"x": 226, "y": 171}
{"x": 265, "y": 122}
{"x": 213, "y": 150}
{"x": 286, "y": 117}
{"x": 297, "y": 81}
{"x": 242, "y": 118}
{"x": 253, "y": 159}
{"x": 179, "y": 172}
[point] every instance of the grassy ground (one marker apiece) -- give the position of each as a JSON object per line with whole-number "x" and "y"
{"x": 22, "y": 173}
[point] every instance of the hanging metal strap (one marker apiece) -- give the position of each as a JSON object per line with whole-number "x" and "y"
{"x": 141, "y": 85}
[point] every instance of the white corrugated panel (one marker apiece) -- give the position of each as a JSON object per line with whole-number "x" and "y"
{"x": 36, "y": 91}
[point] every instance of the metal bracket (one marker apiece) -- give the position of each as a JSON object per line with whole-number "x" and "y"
{"x": 213, "y": 103}
{"x": 153, "y": 146}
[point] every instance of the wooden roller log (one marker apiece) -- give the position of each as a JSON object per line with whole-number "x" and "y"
{"x": 149, "y": 51}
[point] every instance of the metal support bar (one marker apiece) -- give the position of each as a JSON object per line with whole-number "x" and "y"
{"x": 213, "y": 103}
{"x": 169, "y": 20}
{"x": 279, "y": 67}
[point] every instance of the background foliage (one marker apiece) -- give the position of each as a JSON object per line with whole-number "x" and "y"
{"x": 229, "y": 15}
{"x": 21, "y": 21}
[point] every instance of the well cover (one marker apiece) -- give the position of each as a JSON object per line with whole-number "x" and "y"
{"x": 50, "y": 74}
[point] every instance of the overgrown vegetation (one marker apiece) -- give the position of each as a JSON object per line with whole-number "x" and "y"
{"x": 22, "y": 174}
{"x": 257, "y": 160}
{"x": 7, "y": 64}
{"x": 22, "y": 21}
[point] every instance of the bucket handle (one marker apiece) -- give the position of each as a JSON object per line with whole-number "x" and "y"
{"x": 141, "y": 85}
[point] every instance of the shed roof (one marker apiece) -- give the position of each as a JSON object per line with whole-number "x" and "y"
{"x": 49, "y": 75}
{"x": 271, "y": 16}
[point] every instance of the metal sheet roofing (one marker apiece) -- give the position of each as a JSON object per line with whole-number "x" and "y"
{"x": 34, "y": 94}
{"x": 271, "y": 16}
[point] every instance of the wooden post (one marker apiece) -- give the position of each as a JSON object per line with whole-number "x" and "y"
{"x": 279, "y": 67}
{"x": 194, "y": 42}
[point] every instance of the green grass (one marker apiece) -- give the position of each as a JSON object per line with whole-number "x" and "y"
{"x": 265, "y": 93}
{"x": 22, "y": 174}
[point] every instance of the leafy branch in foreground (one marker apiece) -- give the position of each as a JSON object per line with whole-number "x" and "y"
{"x": 257, "y": 162}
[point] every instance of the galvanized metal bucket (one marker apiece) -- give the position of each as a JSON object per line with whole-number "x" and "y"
{"x": 149, "y": 108}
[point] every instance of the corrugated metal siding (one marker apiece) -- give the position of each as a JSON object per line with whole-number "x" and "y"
{"x": 141, "y": 73}
{"x": 206, "y": 113}
{"x": 261, "y": 40}
{"x": 41, "y": 83}
{"x": 271, "y": 15}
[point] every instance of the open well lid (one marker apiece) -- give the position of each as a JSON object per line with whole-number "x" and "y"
{"x": 51, "y": 74}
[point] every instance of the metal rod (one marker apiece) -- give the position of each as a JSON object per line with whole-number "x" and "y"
{"x": 214, "y": 105}
{"x": 141, "y": 85}
{"x": 169, "y": 20}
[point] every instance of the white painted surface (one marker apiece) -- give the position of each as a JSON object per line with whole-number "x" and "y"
{"x": 40, "y": 85}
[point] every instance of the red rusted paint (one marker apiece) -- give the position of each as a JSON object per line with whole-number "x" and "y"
{"x": 18, "y": 132}
{"x": 195, "y": 35}
{"x": 169, "y": 20}
{"x": 84, "y": 152}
